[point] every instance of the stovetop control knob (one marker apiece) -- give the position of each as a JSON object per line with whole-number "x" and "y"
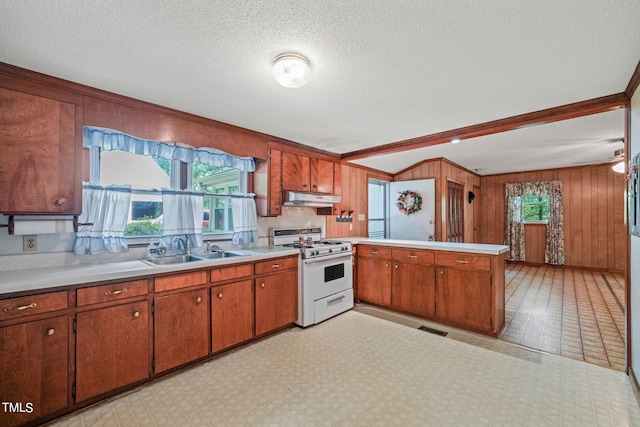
{"x": 330, "y": 250}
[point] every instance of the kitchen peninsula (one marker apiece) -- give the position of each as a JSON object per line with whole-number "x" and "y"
{"x": 459, "y": 284}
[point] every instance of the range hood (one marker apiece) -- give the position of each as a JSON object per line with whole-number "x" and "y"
{"x": 312, "y": 200}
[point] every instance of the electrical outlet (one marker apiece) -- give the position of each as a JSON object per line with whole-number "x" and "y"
{"x": 29, "y": 243}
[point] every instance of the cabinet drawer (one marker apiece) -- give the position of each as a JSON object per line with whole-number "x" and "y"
{"x": 413, "y": 256}
{"x": 35, "y": 304}
{"x": 374, "y": 251}
{"x": 276, "y": 265}
{"x": 464, "y": 261}
{"x": 180, "y": 281}
{"x": 112, "y": 292}
{"x": 231, "y": 272}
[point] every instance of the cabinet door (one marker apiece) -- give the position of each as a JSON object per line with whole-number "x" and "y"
{"x": 463, "y": 297}
{"x": 34, "y": 368}
{"x": 231, "y": 314}
{"x": 38, "y": 166}
{"x": 321, "y": 176}
{"x": 414, "y": 288}
{"x": 374, "y": 280}
{"x": 276, "y": 301}
{"x": 181, "y": 328}
{"x": 112, "y": 348}
{"x": 296, "y": 172}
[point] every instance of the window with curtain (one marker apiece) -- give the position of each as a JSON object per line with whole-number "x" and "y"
{"x": 534, "y": 202}
{"x": 150, "y": 166}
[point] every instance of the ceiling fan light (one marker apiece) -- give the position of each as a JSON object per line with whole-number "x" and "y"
{"x": 291, "y": 70}
{"x": 619, "y": 167}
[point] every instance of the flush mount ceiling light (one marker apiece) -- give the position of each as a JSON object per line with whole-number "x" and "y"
{"x": 291, "y": 70}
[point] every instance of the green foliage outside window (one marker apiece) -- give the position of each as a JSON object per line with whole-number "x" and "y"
{"x": 144, "y": 227}
{"x": 535, "y": 207}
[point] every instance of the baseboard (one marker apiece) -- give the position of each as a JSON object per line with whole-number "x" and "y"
{"x": 574, "y": 267}
{"x": 634, "y": 384}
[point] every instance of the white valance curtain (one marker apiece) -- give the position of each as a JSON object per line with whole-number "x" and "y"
{"x": 245, "y": 219}
{"x": 107, "y": 208}
{"x": 182, "y": 213}
{"x": 109, "y": 139}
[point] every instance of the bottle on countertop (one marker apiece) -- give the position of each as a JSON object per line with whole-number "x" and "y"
{"x": 161, "y": 249}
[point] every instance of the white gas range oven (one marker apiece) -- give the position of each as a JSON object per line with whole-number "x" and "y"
{"x": 325, "y": 275}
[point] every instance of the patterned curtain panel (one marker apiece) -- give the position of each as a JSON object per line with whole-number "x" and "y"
{"x": 514, "y": 225}
{"x": 554, "y": 248}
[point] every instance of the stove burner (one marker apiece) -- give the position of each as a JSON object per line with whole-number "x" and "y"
{"x": 297, "y": 246}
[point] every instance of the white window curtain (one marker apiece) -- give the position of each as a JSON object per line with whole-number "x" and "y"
{"x": 107, "y": 208}
{"x": 109, "y": 139}
{"x": 182, "y": 213}
{"x": 245, "y": 219}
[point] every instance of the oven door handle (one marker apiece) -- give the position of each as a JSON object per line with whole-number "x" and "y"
{"x": 345, "y": 255}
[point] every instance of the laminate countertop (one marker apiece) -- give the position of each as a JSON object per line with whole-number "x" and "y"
{"x": 37, "y": 279}
{"x": 474, "y": 248}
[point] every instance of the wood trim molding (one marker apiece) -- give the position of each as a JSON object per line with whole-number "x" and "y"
{"x": 563, "y": 112}
{"x": 546, "y": 170}
{"x": 416, "y": 165}
{"x": 634, "y": 83}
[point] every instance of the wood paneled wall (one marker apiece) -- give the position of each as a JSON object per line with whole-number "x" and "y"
{"x": 594, "y": 222}
{"x": 355, "y": 187}
{"x": 442, "y": 170}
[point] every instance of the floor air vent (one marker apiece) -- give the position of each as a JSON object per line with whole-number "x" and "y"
{"x": 433, "y": 331}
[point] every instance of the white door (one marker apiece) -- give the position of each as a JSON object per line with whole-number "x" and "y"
{"x": 419, "y": 225}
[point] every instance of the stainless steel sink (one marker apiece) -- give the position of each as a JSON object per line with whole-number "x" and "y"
{"x": 218, "y": 255}
{"x": 176, "y": 259}
{"x": 181, "y": 259}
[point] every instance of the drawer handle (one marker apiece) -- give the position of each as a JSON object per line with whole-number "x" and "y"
{"x": 413, "y": 256}
{"x": 51, "y": 331}
{"x": 336, "y": 300}
{"x": 374, "y": 252}
{"x": 220, "y": 295}
{"x": 276, "y": 265}
{"x": 460, "y": 261}
{"x": 121, "y": 291}
{"x": 136, "y": 314}
{"x": 20, "y": 308}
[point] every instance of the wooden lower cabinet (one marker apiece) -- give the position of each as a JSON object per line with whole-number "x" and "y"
{"x": 414, "y": 288}
{"x": 276, "y": 300}
{"x": 112, "y": 348}
{"x": 180, "y": 328}
{"x": 34, "y": 358}
{"x": 464, "y": 298}
{"x": 231, "y": 314}
{"x": 374, "y": 281}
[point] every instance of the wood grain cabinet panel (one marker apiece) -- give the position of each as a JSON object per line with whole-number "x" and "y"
{"x": 112, "y": 348}
{"x": 414, "y": 288}
{"x": 296, "y": 172}
{"x": 181, "y": 328}
{"x": 464, "y": 298}
{"x": 112, "y": 292}
{"x": 374, "y": 280}
{"x": 231, "y": 314}
{"x": 276, "y": 299}
{"x": 322, "y": 176}
{"x": 276, "y": 265}
{"x": 34, "y": 368}
{"x": 235, "y": 271}
{"x": 179, "y": 281}
{"x": 13, "y": 308}
{"x": 41, "y": 155}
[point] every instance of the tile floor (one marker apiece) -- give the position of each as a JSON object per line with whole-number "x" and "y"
{"x": 571, "y": 312}
{"x": 361, "y": 370}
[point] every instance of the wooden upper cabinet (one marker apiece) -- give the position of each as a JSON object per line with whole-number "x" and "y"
{"x": 296, "y": 172}
{"x": 267, "y": 183}
{"x": 40, "y": 166}
{"x": 321, "y": 176}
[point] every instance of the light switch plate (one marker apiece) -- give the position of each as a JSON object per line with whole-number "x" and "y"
{"x": 29, "y": 243}
{"x": 361, "y": 217}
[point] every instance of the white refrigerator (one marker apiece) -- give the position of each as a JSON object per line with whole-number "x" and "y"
{"x": 419, "y": 225}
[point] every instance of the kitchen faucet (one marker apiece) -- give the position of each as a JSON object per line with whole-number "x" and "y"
{"x": 185, "y": 243}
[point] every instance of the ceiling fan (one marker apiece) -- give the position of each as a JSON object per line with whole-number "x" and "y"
{"x": 618, "y": 156}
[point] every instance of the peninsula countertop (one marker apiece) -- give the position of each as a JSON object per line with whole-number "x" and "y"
{"x": 475, "y": 248}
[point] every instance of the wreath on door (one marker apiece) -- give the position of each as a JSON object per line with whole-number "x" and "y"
{"x": 409, "y": 202}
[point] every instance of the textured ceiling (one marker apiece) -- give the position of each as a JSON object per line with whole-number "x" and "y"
{"x": 382, "y": 71}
